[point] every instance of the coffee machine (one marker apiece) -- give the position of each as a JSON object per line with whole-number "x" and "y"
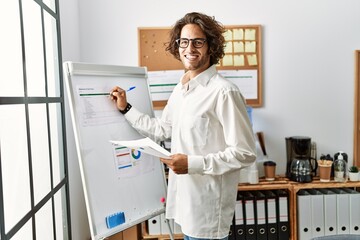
{"x": 298, "y": 152}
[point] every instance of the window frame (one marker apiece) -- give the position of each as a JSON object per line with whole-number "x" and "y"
{"x": 61, "y": 187}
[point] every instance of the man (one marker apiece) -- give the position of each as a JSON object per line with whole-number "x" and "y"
{"x": 210, "y": 132}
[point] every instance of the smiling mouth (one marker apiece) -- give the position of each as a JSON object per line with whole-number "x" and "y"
{"x": 191, "y": 57}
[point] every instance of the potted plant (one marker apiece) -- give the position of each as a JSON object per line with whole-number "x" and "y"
{"x": 354, "y": 173}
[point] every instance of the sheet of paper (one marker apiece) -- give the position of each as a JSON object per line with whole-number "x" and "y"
{"x": 228, "y": 35}
{"x": 250, "y": 46}
{"x": 238, "y": 34}
{"x": 145, "y": 145}
{"x": 239, "y": 60}
{"x": 246, "y": 80}
{"x": 162, "y": 83}
{"x": 250, "y": 34}
{"x": 228, "y": 60}
{"x": 95, "y": 108}
{"x": 228, "y": 47}
{"x": 239, "y": 47}
{"x": 252, "y": 60}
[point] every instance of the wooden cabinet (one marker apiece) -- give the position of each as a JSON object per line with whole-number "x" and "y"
{"x": 293, "y": 188}
{"x": 146, "y": 235}
{"x": 133, "y": 233}
{"x": 315, "y": 184}
{"x": 279, "y": 183}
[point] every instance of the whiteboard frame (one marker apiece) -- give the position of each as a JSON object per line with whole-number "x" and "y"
{"x": 73, "y": 69}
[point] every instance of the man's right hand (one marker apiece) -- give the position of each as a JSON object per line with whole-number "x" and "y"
{"x": 118, "y": 95}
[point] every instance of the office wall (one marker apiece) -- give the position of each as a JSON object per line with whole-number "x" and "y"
{"x": 308, "y": 58}
{"x": 70, "y": 37}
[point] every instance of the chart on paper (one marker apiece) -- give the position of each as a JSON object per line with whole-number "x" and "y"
{"x": 130, "y": 163}
{"x": 95, "y": 106}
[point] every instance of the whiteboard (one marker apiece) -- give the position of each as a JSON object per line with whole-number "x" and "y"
{"x": 122, "y": 187}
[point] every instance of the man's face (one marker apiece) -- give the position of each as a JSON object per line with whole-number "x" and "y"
{"x": 194, "y": 59}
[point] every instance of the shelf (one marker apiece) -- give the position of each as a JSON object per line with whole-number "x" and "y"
{"x": 317, "y": 184}
{"x": 146, "y": 235}
{"x": 163, "y": 237}
{"x": 285, "y": 183}
{"x": 314, "y": 184}
{"x": 280, "y": 182}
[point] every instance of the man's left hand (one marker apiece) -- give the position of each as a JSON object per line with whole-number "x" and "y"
{"x": 178, "y": 163}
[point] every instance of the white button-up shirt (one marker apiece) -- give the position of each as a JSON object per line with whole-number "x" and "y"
{"x": 206, "y": 120}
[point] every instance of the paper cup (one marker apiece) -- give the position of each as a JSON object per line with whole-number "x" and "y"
{"x": 325, "y": 173}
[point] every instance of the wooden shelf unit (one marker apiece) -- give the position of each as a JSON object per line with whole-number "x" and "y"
{"x": 293, "y": 188}
{"x": 280, "y": 182}
{"x": 146, "y": 235}
{"x": 314, "y": 184}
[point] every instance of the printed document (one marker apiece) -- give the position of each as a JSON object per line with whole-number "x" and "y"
{"x": 145, "y": 145}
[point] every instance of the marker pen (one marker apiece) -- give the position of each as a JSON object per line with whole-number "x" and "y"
{"x": 130, "y": 88}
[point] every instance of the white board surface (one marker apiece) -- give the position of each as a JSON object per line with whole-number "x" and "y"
{"x": 121, "y": 186}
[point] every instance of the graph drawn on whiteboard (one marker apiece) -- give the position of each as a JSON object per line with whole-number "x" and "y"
{"x": 122, "y": 186}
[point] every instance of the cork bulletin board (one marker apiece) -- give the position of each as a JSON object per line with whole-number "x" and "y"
{"x": 152, "y": 54}
{"x": 242, "y": 56}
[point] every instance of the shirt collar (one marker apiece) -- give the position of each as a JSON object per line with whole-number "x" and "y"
{"x": 204, "y": 77}
{"x": 201, "y": 79}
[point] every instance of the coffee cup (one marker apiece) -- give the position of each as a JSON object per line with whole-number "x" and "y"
{"x": 269, "y": 170}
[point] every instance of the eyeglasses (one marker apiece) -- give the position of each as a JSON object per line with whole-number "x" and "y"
{"x": 196, "y": 42}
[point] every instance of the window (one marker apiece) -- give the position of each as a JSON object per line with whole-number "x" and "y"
{"x": 33, "y": 171}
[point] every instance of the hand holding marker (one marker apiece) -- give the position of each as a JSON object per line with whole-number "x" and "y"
{"x": 118, "y": 95}
{"x": 128, "y": 90}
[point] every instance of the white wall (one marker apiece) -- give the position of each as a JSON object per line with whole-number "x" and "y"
{"x": 70, "y": 37}
{"x": 308, "y": 57}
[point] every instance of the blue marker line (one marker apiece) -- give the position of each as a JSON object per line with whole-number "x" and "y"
{"x": 125, "y": 166}
{"x": 130, "y": 88}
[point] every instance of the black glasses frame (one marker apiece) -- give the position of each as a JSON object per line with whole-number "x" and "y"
{"x": 196, "y": 42}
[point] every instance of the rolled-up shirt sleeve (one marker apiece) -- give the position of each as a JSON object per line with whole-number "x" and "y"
{"x": 155, "y": 128}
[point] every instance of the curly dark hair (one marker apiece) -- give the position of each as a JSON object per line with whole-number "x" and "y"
{"x": 212, "y": 29}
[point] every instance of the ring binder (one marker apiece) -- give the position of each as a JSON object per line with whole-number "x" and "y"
{"x": 260, "y": 216}
{"x": 270, "y": 209}
{"x": 239, "y": 217}
{"x": 250, "y": 226}
{"x": 282, "y": 210}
